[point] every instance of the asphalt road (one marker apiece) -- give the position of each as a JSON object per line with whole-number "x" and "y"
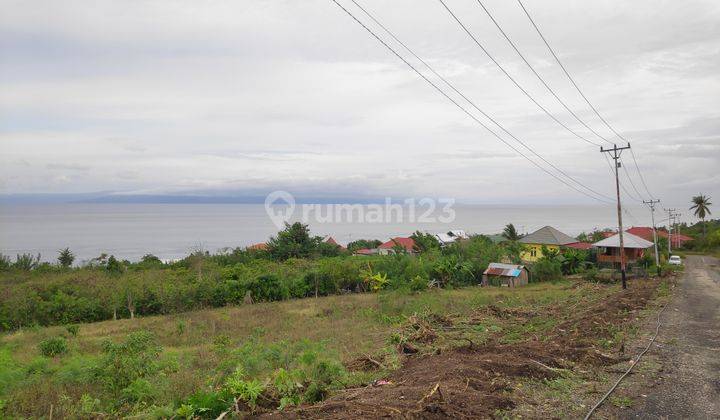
{"x": 689, "y": 384}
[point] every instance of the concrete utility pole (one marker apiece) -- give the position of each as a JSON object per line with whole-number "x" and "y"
{"x": 670, "y": 217}
{"x": 615, "y": 153}
{"x": 651, "y": 203}
{"x": 676, "y": 218}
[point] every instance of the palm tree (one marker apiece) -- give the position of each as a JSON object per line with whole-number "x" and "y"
{"x": 510, "y": 233}
{"x": 701, "y": 206}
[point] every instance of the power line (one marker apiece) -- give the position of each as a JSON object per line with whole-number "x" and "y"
{"x": 547, "y": 86}
{"x": 512, "y": 79}
{"x": 627, "y": 174}
{"x": 567, "y": 73}
{"x": 469, "y": 101}
{"x": 468, "y": 113}
{"x": 640, "y": 173}
{"x": 612, "y": 172}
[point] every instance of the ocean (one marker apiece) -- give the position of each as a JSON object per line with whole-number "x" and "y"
{"x": 171, "y": 231}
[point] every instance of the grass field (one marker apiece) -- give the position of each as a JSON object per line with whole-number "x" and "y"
{"x": 200, "y": 349}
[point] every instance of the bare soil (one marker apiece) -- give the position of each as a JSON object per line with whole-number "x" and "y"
{"x": 478, "y": 380}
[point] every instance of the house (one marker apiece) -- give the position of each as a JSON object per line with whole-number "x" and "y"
{"x": 330, "y": 240}
{"x": 547, "y": 236}
{"x": 262, "y": 246}
{"x": 366, "y": 251}
{"x": 609, "y": 248}
{"x": 509, "y": 275}
{"x": 646, "y": 232}
{"x": 451, "y": 237}
{"x": 679, "y": 240}
{"x": 579, "y": 245}
{"x": 389, "y": 247}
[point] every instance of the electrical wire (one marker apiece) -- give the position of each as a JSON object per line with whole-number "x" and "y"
{"x": 640, "y": 173}
{"x": 567, "y": 73}
{"x": 468, "y": 113}
{"x": 612, "y": 172}
{"x": 469, "y": 101}
{"x": 627, "y": 174}
{"x": 547, "y": 44}
{"x": 512, "y": 79}
{"x": 540, "y": 78}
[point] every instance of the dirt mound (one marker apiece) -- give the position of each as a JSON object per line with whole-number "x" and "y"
{"x": 477, "y": 380}
{"x": 460, "y": 383}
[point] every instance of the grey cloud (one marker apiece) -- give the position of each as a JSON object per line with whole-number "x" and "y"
{"x": 68, "y": 167}
{"x": 164, "y": 96}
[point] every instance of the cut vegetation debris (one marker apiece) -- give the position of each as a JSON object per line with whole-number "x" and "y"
{"x": 460, "y": 352}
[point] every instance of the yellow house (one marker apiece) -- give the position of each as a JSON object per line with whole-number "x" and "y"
{"x": 548, "y": 236}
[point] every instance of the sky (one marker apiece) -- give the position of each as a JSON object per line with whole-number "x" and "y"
{"x": 242, "y": 98}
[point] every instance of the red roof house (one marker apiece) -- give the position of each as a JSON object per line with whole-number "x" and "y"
{"x": 262, "y": 246}
{"x": 389, "y": 247}
{"x": 646, "y": 232}
{"x": 579, "y": 245}
{"x": 332, "y": 241}
{"x": 679, "y": 240}
{"x": 365, "y": 251}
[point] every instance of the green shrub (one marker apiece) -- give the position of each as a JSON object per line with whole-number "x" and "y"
{"x": 26, "y": 262}
{"x": 591, "y": 274}
{"x": 139, "y": 390}
{"x": 267, "y": 288}
{"x": 88, "y": 404}
{"x": 123, "y": 363}
{"x": 38, "y": 365}
{"x": 208, "y": 404}
{"x": 54, "y": 346}
{"x": 545, "y": 270}
{"x": 73, "y": 329}
{"x": 5, "y": 262}
{"x": 418, "y": 283}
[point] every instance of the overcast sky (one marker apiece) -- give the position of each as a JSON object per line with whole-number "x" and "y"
{"x": 246, "y": 96}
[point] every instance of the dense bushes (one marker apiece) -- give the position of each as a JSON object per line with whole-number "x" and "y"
{"x": 54, "y": 346}
{"x": 110, "y": 288}
{"x": 546, "y": 269}
{"x": 276, "y": 375}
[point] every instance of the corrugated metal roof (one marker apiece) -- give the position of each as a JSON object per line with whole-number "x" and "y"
{"x": 505, "y": 270}
{"x": 629, "y": 241}
{"x": 548, "y": 235}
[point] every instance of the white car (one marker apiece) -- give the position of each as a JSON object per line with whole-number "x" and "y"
{"x": 675, "y": 260}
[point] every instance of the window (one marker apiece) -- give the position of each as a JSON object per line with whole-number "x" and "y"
{"x": 533, "y": 252}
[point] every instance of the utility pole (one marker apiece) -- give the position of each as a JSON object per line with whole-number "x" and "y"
{"x": 670, "y": 216}
{"x": 615, "y": 153}
{"x": 651, "y": 203}
{"x": 676, "y": 218}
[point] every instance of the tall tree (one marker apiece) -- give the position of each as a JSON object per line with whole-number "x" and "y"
{"x": 66, "y": 257}
{"x": 510, "y": 233}
{"x": 294, "y": 241}
{"x": 701, "y": 205}
{"x": 424, "y": 241}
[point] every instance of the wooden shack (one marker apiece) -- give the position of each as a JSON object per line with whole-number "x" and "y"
{"x": 510, "y": 275}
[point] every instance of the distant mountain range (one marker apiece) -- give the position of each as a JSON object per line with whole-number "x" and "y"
{"x": 112, "y": 198}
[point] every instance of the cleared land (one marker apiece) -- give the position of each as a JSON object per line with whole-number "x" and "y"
{"x": 466, "y": 352}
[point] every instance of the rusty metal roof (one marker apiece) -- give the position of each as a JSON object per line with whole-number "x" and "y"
{"x": 505, "y": 270}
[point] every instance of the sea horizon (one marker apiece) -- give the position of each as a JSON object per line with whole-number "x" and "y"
{"x": 173, "y": 230}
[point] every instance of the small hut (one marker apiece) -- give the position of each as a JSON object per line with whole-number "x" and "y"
{"x": 510, "y": 275}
